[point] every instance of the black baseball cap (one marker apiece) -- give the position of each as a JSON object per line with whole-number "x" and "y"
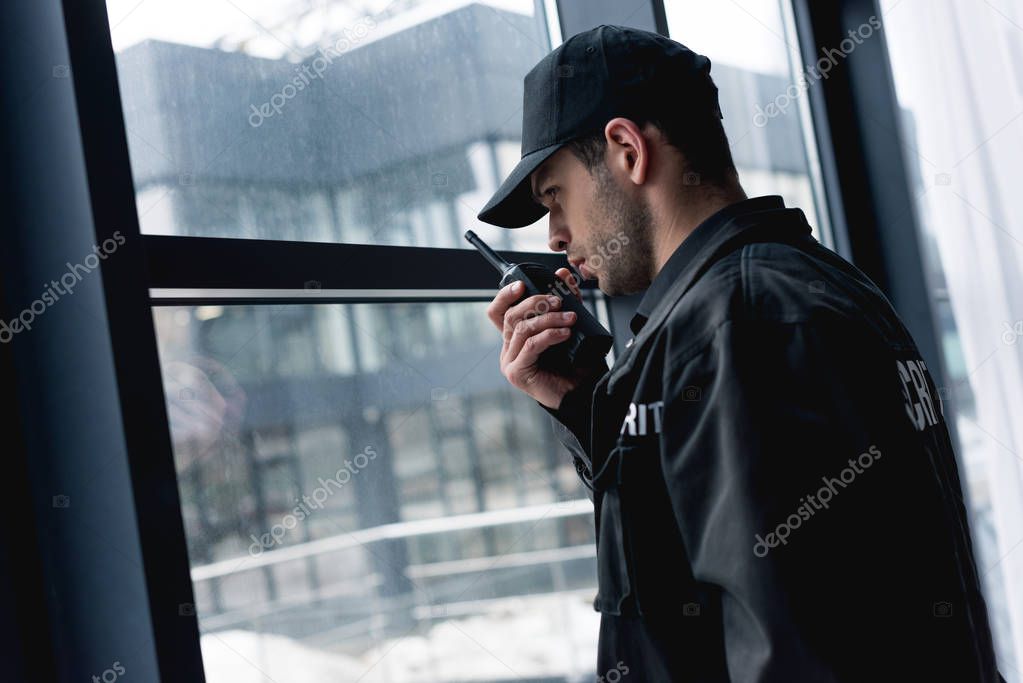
{"x": 585, "y": 82}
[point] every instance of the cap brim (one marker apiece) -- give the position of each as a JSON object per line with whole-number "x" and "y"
{"x": 513, "y": 206}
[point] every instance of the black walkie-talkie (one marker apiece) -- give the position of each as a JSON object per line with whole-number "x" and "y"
{"x": 589, "y": 342}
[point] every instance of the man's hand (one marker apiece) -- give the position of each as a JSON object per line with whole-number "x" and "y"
{"x": 530, "y": 327}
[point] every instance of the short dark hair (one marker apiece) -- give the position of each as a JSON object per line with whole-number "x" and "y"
{"x": 698, "y": 135}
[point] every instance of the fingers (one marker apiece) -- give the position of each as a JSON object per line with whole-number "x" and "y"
{"x": 531, "y": 336}
{"x": 525, "y": 364}
{"x": 530, "y": 327}
{"x": 528, "y": 308}
{"x": 506, "y": 296}
{"x": 569, "y": 278}
{"x": 509, "y": 294}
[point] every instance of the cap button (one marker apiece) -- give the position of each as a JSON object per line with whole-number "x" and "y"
{"x": 590, "y": 48}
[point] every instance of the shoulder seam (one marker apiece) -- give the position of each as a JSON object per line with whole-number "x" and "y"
{"x": 745, "y": 281}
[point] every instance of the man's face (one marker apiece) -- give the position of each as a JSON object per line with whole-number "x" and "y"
{"x": 597, "y": 221}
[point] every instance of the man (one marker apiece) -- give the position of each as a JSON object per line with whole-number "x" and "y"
{"x": 776, "y": 496}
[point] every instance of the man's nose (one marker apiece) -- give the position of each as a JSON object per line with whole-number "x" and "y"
{"x": 558, "y": 237}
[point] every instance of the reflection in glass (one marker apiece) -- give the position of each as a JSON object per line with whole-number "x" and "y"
{"x": 360, "y": 483}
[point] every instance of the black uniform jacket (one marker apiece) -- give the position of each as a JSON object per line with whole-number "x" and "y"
{"x": 776, "y": 496}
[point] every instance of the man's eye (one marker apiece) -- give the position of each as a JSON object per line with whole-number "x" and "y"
{"x": 550, "y": 191}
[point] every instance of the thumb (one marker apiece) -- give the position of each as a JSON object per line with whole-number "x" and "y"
{"x": 569, "y": 278}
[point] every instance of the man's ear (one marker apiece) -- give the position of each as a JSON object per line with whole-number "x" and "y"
{"x": 627, "y": 148}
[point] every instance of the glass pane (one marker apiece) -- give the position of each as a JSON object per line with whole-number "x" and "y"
{"x": 360, "y": 121}
{"x": 366, "y": 498}
{"x": 752, "y": 53}
{"x": 958, "y": 69}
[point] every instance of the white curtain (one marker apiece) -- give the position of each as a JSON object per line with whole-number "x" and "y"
{"x": 958, "y": 68}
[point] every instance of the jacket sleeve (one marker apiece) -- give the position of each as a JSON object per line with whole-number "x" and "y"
{"x": 760, "y": 433}
{"x": 571, "y": 423}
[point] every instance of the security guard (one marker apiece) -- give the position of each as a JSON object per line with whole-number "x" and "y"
{"x": 776, "y": 496}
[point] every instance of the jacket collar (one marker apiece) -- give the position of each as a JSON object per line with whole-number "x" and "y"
{"x": 760, "y": 219}
{"x": 690, "y": 248}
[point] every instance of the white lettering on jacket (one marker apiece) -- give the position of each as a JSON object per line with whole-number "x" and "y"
{"x": 917, "y": 395}
{"x": 643, "y": 418}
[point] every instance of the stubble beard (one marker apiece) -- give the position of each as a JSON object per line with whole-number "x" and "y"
{"x": 619, "y": 219}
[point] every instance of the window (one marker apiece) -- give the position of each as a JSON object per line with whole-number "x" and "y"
{"x": 361, "y": 478}
{"x": 957, "y": 76}
{"x": 363, "y": 494}
{"x": 387, "y": 122}
{"x": 754, "y": 54}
